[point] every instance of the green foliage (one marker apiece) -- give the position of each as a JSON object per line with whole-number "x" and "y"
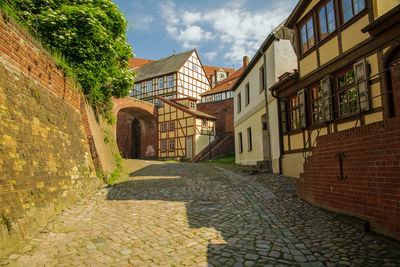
{"x": 228, "y": 159}
{"x": 106, "y": 140}
{"x": 114, "y": 176}
{"x": 91, "y": 35}
{"x": 118, "y": 160}
{"x": 6, "y": 222}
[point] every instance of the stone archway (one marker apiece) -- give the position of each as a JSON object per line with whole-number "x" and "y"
{"x": 136, "y": 128}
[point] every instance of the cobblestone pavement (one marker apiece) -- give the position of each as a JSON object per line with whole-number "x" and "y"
{"x": 170, "y": 214}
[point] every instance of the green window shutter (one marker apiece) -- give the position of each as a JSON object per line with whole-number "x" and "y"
{"x": 302, "y": 108}
{"x": 326, "y": 88}
{"x": 360, "y": 73}
{"x": 284, "y": 116}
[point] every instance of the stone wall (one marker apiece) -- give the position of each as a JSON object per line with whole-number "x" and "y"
{"x": 45, "y": 163}
{"x": 370, "y": 185}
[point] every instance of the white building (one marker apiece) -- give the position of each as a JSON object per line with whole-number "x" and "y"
{"x": 257, "y": 128}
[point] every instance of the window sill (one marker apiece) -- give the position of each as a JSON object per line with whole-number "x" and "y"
{"x": 297, "y": 131}
{"x": 353, "y": 19}
{"x": 308, "y": 52}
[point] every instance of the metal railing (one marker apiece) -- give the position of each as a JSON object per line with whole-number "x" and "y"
{"x": 34, "y": 29}
{"x": 334, "y": 111}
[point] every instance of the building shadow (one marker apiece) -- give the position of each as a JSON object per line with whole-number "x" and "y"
{"x": 211, "y": 202}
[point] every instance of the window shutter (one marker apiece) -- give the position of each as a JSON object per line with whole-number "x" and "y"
{"x": 302, "y": 108}
{"x": 326, "y": 88}
{"x": 284, "y": 116}
{"x": 360, "y": 71}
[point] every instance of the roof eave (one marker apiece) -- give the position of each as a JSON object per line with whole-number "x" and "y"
{"x": 268, "y": 41}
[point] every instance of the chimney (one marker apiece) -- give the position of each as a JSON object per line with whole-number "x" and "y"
{"x": 245, "y": 61}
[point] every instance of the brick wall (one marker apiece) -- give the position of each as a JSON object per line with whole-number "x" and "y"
{"x": 148, "y": 133}
{"x": 44, "y": 160}
{"x": 371, "y": 189}
{"x": 223, "y": 111}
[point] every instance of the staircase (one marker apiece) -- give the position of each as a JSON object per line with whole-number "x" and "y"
{"x": 214, "y": 146}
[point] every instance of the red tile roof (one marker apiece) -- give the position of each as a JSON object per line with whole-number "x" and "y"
{"x": 226, "y": 84}
{"x": 210, "y": 70}
{"x": 138, "y": 63}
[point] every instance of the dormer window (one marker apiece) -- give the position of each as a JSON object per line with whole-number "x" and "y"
{"x": 307, "y": 35}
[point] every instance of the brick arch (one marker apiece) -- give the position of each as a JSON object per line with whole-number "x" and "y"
{"x": 126, "y": 111}
{"x": 129, "y": 102}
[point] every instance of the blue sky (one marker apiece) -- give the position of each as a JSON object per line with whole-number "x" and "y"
{"x": 221, "y": 31}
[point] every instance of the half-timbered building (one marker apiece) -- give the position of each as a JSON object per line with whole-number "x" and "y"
{"x": 177, "y": 76}
{"x": 340, "y": 83}
{"x": 183, "y": 131}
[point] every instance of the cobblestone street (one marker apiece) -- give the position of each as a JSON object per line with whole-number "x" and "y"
{"x": 181, "y": 214}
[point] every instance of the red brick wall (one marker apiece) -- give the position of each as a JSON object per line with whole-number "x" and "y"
{"x": 124, "y": 134}
{"x": 21, "y": 51}
{"x": 371, "y": 190}
{"x": 148, "y": 133}
{"x": 223, "y": 111}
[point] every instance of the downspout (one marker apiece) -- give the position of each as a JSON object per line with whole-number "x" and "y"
{"x": 280, "y": 130}
{"x": 267, "y": 113}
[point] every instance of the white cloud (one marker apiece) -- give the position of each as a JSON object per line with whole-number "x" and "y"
{"x": 139, "y": 22}
{"x": 210, "y": 55}
{"x": 240, "y": 31}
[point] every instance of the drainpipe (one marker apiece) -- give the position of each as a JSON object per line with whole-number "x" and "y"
{"x": 267, "y": 113}
{"x": 280, "y": 130}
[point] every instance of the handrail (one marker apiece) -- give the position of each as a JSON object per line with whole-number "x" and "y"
{"x": 21, "y": 17}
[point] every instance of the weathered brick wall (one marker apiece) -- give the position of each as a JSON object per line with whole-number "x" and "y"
{"x": 44, "y": 160}
{"x": 126, "y": 110}
{"x": 371, "y": 190}
{"x": 223, "y": 111}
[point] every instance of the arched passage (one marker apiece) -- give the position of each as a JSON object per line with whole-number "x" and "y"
{"x": 136, "y": 128}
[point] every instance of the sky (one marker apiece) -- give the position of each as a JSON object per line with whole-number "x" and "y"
{"x": 221, "y": 31}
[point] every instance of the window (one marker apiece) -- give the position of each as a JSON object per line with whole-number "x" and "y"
{"x": 171, "y": 145}
{"x": 249, "y": 141}
{"x": 217, "y": 97}
{"x": 247, "y": 89}
{"x": 346, "y": 93}
{"x": 169, "y": 81}
{"x": 160, "y": 103}
{"x": 138, "y": 88}
{"x": 163, "y": 145}
{"x": 204, "y": 123}
{"x": 351, "y": 8}
{"x": 240, "y": 143}
{"x": 315, "y": 96}
{"x": 161, "y": 83}
{"x": 239, "y": 102}
{"x": 195, "y": 67}
{"x": 149, "y": 86}
{"x": 262, "y": 79}
{"x": 132, "y": 93}
{"x": 163, "y": 127}
{"x": 294, "y": 113}
{"x": 327, "y": 22}
{"x": 192, "y": 105}
{"x": 171, "y": 125}
{"x": 307, "y": 35}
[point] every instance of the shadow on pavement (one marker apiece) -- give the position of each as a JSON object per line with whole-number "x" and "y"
{"x": 212, "y": 201}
